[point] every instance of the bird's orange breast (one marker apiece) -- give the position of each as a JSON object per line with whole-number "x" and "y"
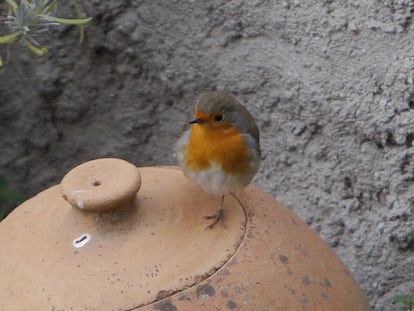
{"x": 210, "y": 145}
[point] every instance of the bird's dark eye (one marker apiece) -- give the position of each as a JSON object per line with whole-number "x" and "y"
{"x": 218, "y": 117}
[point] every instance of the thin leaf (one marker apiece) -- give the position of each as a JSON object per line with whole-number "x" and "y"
{"x": 38, "y": 51}
{"x": 67, "y": 21}
{"x": 81, "y": 33}
{"x": 400, "y": 298}
{"x": 1, "y": 62}
{"x": 27, "y": 4}
{"x": 39, "y": 8}
{"x": 12, "y": 4}
{"x": 76, "y": 8}
{"x": 81, "y": 27}
{"x": 51, "y": 6}
{"x": 10, "y": 38}
{"x": 9, "y": 195}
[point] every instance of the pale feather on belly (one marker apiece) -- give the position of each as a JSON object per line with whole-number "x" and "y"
{"x": 213, "y": 179}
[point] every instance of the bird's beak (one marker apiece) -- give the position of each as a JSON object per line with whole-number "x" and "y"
{"x": 196, "y": 120}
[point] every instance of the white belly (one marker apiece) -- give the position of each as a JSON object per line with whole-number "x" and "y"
{"x": 213, "y": 179}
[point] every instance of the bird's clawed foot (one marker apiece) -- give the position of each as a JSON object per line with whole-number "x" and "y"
{"x": 218, "y": 217}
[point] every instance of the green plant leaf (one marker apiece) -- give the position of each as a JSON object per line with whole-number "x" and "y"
{"x": 402, "y": 299}
{"x": 67, "y": 21}
{"x": 38, "y": 50}
{"x": 28, "y": 4}
{"x": 51, "y": 6}
{"x": 81, "y": 33}
{"x": 407, "y": 302}
{"x": 12, "y": 4}
{"x": 31, "y": 17}
{"x": 10, "y": 38}
{"x": 9, "y": 195}
{"x": 81, "y": 27}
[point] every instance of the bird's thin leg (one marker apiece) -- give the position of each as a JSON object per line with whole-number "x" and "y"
{"x": 237, "y": 199}
{"x": 218, "y": 216}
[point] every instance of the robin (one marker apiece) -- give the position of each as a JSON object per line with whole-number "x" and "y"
{"x": 219, "y": 148}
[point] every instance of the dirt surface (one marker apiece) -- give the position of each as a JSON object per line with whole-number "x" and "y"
{"x": 331, "y": 84}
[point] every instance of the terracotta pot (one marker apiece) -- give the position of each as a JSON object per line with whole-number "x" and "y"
{"x": 113, "y": 249}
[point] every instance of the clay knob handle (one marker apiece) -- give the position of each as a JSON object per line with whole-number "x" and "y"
{"x": 101, "y": 184}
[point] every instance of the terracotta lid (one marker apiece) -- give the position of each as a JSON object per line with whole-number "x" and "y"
{"x": 102, "y": 184}
{"x": 154, "y": 253}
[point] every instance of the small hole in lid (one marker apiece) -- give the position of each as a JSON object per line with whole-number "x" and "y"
{"x": 96, "y": 183}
